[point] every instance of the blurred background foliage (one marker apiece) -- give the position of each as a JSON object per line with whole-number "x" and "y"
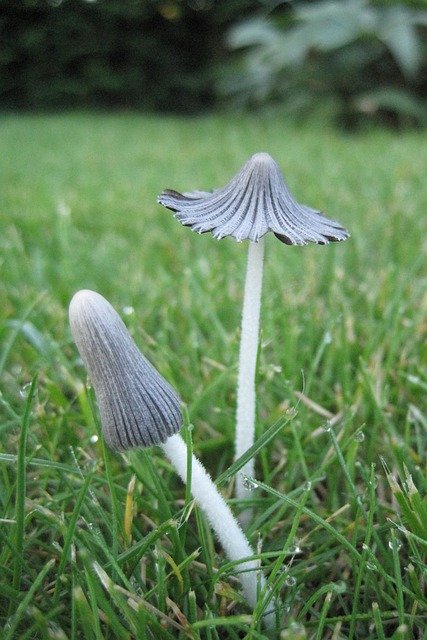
{"x": 365, "y": 59}
{"x": 357, "y": 59}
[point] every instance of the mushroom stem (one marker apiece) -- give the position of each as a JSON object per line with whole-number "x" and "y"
{"x": 222, "y": 521}
{"x": 245, "y": 416}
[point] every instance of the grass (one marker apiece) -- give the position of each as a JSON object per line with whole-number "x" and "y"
{"x": 97, "y": 546}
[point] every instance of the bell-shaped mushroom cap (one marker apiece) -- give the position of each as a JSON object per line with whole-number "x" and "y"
{"x": 138, "y": 408}
{"x": 254, "y": 202}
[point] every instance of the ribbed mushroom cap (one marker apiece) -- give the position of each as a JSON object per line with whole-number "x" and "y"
{"x": 254, "y": 202}
{"x": 138, "y": 408}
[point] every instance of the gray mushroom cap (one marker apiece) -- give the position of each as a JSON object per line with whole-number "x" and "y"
{"x": 138, "y": 408}
{"x": 254, "y": 202}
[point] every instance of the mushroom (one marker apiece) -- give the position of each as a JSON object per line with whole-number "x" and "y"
{"x": 254, "y": 202}
{"x": 138, "y": 408}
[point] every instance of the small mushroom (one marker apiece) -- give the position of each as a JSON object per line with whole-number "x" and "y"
{"x": 254, "y": 202}
{"x": 138, "y": 408}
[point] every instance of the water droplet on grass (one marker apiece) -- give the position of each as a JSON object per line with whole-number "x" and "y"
{"x": 295, "y": 548}
{"x": 359, "y": 436}
{"x": 413, "y": 379}
{"x": 249, "y": 483}
{"x": 24, "y": 390}
{"x": 290, "y": 581}
{"x": 63, "y": 210}
{"x": 128, "y": 310}
{"x": 327, "y": 338}
{"x": 395, "y": 544}
{"x": 340, "y": 586}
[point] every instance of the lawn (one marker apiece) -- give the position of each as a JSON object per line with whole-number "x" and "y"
{"x": 95, "y": 545}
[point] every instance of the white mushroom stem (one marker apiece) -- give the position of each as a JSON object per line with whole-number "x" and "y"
{"x": 222, "y": 521}
{"x": 245, "y": 418}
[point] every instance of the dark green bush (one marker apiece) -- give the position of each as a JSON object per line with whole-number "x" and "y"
{"x": 128, "y": 53}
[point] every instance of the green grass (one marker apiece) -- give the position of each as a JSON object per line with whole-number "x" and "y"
{"x": 339, "y": 512}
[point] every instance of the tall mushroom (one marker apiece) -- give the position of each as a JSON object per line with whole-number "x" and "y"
{"x": 138, "y": 408}
{"x": 254, "y": 202}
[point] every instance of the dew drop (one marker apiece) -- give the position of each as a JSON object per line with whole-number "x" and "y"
{"x": 93, "y": 439}
{"x": 24, "y": 390}
{"x": 340, "y": 586}
{"x": 359, "y": 436}
{"x": 294, "y": 548}
{"x": 307, "y": 485}
{"x": 370, "y": 566}
{"x": 128, "y": 310}
{"x": 64, "y": 211}
{"x": 327, "y": 338}
{"x": 327, "y": 427}
{"x": 395, "y": 544}
{"x": 249, "y": 484}
{"x": 290, "y": 581}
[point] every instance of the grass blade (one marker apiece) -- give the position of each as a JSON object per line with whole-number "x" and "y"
{"x": 271, "y": 433}
{"x": 21, "y": 488}
{"x": 70, "y": 533}
{"x": 23, "y": 605}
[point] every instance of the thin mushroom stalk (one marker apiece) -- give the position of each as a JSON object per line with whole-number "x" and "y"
{"x": 222, "y": 521}
{"x": 246, "y": 393}
{"x": 139, "y": 408}
{"x": 256, "y": 201}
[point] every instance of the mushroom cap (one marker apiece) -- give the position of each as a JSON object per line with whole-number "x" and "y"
{"x": 254, "y": 202}
{"x": 138, "y": 408}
